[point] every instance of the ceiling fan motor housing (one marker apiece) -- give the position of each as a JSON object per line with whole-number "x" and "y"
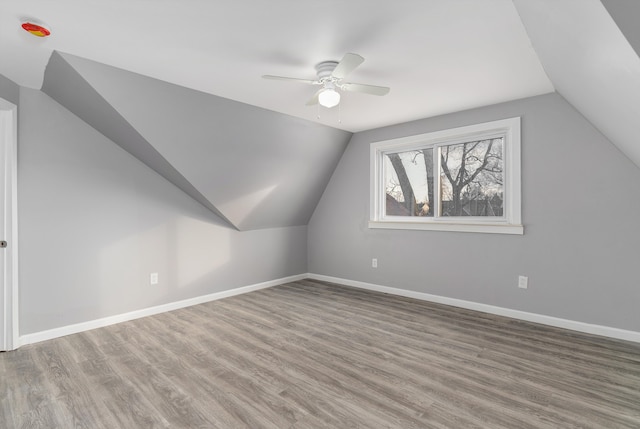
{"x": 324, "y": 69}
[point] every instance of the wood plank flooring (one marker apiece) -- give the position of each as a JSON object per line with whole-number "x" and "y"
{"x": 311, "y": 354}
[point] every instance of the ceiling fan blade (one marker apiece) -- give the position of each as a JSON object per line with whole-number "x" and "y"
{"x": 347, "y": 64}
{"x": 314, "y": 100}
{"x": 293, "y": 79}
{"x": 366, "y": 89}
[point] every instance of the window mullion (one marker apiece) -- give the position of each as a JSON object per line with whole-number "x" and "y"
{"x": 436, "y": 182}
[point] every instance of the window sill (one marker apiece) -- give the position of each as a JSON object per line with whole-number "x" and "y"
{"x": 489, "y": 228}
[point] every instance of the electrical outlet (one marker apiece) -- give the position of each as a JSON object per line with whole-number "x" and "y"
{"x": 374, "y": 263}
{"x": 523, "y": 282}
{"x": 153, "y": 278}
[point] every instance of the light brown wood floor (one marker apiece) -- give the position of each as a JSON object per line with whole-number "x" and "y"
{"x": 315, "y": 355}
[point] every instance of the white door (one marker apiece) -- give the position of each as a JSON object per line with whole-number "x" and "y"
{"x": 8, "y": 227}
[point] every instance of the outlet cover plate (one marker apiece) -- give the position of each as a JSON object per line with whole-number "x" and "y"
{"x": 523, "y": 282}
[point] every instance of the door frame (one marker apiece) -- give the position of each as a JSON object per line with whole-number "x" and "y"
{"x": 9, "y": 340}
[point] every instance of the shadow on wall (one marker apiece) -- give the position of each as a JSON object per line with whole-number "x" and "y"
{"x": 183, "y": 252}
{"x": 193, "y": 257}
{"x": 193, "y": 251}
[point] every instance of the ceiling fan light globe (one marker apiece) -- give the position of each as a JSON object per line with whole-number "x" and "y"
{"x": 329, "y": 98}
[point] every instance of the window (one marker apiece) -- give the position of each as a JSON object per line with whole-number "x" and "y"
{"x": 463, "y": 179}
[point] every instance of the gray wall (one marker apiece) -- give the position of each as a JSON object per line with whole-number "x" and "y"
{"x": 581, "y": 208}
{"x": 9, "y": 90}
{"x": 95, "y": 221}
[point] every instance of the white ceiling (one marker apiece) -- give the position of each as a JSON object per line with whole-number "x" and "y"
{"x": 591, "y": 62}
{"x": 438, "y": 56}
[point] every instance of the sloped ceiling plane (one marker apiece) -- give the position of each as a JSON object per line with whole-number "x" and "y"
{"x": 179, "y": 85}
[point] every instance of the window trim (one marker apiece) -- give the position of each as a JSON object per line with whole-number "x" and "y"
{"x": 510, "y": 223}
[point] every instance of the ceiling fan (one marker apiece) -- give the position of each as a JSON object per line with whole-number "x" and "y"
{"x": 331, "y": 76}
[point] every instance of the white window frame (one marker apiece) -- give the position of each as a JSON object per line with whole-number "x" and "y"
{"x": 509, "y": 223}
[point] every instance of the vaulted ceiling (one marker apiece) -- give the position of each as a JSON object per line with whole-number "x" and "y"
{"x": 178, "y": 84}
{"x": 438, "y": 56}
{"x": 253, "y": 167}
{"x": 590, "y": 51}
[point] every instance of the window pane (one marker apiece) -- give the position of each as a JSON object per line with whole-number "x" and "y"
{"x": 408, "y": 181}
{"x": 471, "y": 176}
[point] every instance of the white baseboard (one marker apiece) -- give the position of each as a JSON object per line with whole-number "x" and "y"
{"x": 470, "y": 305}
{"x": 573, "y": 325}
{"x": 111, "y": 320}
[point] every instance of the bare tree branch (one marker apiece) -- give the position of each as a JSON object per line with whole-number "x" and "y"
{"x": 405, "y": 184}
